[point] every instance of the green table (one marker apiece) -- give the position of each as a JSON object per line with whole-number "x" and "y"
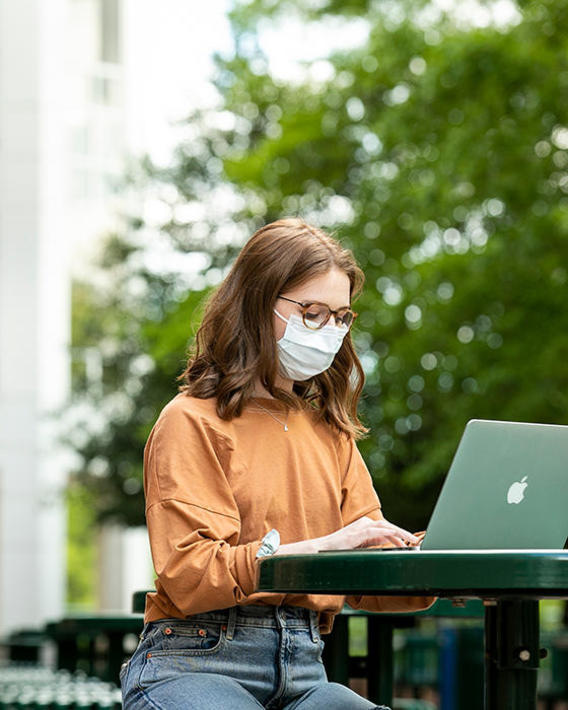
{"x": 509, "y": 582}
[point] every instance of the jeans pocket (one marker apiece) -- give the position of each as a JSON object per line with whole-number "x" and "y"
{"x": 181, "y": 647}
{"x": 190, "y": 636}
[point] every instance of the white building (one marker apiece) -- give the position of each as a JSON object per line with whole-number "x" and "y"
{"x": 76, "y": 83}
{"x": 34, "y": 307}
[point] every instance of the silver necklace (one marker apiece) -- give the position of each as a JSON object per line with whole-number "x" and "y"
{"x": 284, "y": 424}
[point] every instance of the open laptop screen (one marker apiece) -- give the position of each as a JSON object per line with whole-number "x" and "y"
{"x": 507, "y": 488}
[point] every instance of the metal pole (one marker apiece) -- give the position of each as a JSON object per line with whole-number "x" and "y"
{"x": 511, "y": 655}
{"x": 379, "y": 660}
{"x": 336, "y": 651}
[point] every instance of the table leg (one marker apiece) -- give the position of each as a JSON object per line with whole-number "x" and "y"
{"x": 115, "y": 655}
{"x": 336, "y": 651}
{"x": 67, "y": 652}
{"x": 379, "y": 660}
{"x": 511, "y": 655}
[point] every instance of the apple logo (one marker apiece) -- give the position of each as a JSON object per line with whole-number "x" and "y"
{"x": 516, "y": 492}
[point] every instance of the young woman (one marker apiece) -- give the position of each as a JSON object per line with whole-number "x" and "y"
{"x": 255, "y": 456}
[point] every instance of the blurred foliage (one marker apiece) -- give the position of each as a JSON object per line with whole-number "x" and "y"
{"x": 128, "y": 352}
{"x": 437, "y": 152}
{"x": 81, "y": 551}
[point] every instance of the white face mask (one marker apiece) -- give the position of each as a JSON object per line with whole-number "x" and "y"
{"x": 303, "y": 352}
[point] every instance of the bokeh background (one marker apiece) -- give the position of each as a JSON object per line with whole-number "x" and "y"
{"x": 142, "y": 143}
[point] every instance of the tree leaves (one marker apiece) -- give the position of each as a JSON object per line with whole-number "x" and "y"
{"x": 437, "y": 151}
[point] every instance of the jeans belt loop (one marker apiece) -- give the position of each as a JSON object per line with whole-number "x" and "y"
{"x": 314, "y": 625}
{"x": 231, "y": 621}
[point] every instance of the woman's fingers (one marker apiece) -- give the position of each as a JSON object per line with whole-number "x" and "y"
{"x": 381, "y": 531}
{"x": 365, "y": 532}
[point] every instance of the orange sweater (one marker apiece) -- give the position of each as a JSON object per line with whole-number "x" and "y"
{"x": 214, "y": 488}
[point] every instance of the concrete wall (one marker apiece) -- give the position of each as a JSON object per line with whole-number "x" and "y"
{"x": 125, "y": 566}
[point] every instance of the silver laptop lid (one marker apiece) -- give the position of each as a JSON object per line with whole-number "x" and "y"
{"x": 507, "y": 488}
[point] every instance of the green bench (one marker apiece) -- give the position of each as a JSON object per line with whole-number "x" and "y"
{"x": 420, "y": 659}
{"x": 553, "y": 676}
{"x": 94, "y": 644}
{"x": 416, "y": 660}
{"x": 24, "y": 645}
{"x": 412, "y": 704}
{"x": 449, "y": 658}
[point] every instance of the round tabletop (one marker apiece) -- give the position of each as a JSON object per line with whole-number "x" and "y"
{"x": 444, "y": 573}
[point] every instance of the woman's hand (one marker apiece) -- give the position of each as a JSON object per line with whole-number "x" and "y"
{"x": 364, "y": 532}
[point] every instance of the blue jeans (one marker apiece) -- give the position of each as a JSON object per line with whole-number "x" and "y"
{"x": 242, "y": 658}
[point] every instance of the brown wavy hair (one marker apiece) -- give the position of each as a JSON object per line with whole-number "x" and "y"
{"x": 236, "y": 344}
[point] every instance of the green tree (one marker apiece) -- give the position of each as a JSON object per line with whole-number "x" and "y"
{"x": 446, "y": 149}
{"x": 438, "y": 153}
{"x": 137, "y": 368}
{"x": 81, "y": 550}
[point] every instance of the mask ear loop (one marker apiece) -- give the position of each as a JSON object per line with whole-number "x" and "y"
{"x": 280, "y": 316}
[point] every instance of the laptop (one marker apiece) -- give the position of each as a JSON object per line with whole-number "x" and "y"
{"x": 507, "y": 488}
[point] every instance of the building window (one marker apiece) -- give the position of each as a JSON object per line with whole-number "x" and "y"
{"x": 110, "y": 18}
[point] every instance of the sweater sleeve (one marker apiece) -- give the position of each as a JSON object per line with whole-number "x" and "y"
{"x": 359, "y": 499}
{"x": 390, "y": 604}
{"x": 358, "y": 495}
{"x": 193, "y": 520}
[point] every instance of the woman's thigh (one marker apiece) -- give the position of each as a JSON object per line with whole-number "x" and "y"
{"x": 192, "y": 691}
{"x": 193, "y": 664}
{"x": 332, "y": 696}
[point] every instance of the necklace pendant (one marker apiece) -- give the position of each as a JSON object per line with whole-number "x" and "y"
{"x": 285, "y": 427}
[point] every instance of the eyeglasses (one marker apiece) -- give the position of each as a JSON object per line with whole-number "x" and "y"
{"x": 315, "y": 315}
